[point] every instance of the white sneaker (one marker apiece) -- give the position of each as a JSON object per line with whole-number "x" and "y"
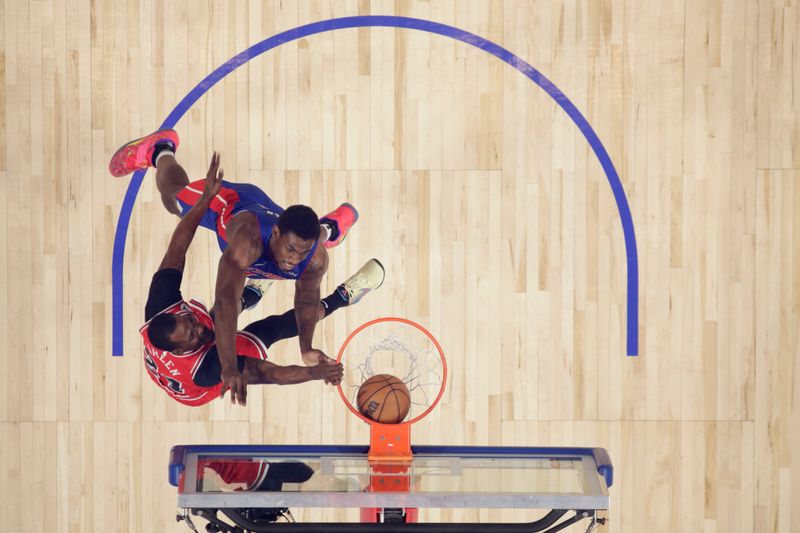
{"x": 254, "y": 291}
{"x": 368, "y": 278}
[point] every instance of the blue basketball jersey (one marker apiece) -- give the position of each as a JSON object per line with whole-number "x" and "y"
{"x": 233, "y": 198}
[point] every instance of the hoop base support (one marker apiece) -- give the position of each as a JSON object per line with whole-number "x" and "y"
{"x": 390, "y": 442}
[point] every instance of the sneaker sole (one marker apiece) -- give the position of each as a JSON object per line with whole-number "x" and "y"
{"x": 133, "y": 142}
{"x": 382, "y": 270}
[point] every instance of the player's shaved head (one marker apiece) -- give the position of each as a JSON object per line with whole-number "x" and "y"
{"x": 300, "y": 220}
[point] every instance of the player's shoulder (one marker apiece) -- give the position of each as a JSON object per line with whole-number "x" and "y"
{"x": 244, "y": 240}
{"x": 319, "y": 261}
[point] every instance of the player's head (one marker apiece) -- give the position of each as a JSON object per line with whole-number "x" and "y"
{"x": 294, "y": 235}
{"x": 179, "y": 333}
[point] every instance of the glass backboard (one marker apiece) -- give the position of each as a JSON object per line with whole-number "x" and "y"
{"x": 219, "y": 476}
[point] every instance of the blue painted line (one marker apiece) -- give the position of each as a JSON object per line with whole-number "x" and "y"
{"x": 117, "y": 261}
{"x": 397, "y": 22}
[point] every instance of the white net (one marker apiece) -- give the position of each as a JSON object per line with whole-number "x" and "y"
{"x": 398, "y": 349}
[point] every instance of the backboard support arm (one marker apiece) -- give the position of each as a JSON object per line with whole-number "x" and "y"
{"x": 546, "y": 524}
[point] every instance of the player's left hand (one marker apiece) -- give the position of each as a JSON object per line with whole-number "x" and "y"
{"x": 213, "y": 177}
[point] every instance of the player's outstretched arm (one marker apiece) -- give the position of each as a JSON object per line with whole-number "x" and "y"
{"x": 182, "y": 237}
{"x": 265, "y": 372}
{"x": 306, "y": 306}
{"x": 244, "y": 247}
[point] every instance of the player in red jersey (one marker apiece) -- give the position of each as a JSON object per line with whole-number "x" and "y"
{"x": 179, "y": 336}
{"x": 233, "y": 474}
{"x": 252, "y": 474}
{"x": 258, "y": 238}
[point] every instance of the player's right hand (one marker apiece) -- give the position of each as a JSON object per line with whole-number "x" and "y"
{"x": 332, "y": 373}
{"x": 234, "y": 381}
{"x": 315, "y": 357}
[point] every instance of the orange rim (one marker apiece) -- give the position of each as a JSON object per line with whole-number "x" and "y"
{"x": 427, "y": 334}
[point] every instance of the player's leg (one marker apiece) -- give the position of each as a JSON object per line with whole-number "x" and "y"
{"x": 189, "y": 194}
{"x": 253, "y": 292}
{"x": 285, "y": 472}
{"x": 337, "y": 224}
{"x": 171, "y": 178}
{"x": 154, "y": 150}
{"x": 278, "y": 327}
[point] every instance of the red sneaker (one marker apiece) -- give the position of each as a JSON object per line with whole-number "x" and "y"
{"x": 341, "y": 220}
{"x": 138, "y": 154}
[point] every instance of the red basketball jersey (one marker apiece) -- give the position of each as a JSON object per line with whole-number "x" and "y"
{"x": 174, "y": 372}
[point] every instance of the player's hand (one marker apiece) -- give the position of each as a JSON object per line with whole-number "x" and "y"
{"x": 213, "y": 177}
{"x": 314, "y": 357}
{"x": 234, "y": 381}
{"x": 331, "y": 373}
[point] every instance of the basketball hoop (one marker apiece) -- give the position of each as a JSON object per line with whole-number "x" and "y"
{"x": 402, "y": 348}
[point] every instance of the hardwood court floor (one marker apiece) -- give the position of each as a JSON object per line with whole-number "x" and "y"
{"x": 487, "y": 206}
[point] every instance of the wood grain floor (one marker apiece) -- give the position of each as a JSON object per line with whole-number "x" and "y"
{"x": 484, "y": 201}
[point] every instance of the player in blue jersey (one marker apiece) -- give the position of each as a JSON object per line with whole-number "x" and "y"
{"x": 258, "y": 239}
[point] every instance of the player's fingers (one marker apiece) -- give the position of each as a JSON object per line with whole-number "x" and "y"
{"x": 243, "y": 393}
{"x": 233, "y": 396}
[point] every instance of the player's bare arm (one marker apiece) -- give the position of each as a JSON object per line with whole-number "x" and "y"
{"x": 265, "y": 372}
{"x": 175, "y": 257}
{"x": 244, "y": 247}
{"x": 306, "y": 300}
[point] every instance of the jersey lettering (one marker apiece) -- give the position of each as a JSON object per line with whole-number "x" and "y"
{"x": 174, "y": 385}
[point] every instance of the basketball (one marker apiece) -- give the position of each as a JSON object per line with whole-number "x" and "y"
{"x": 384, "y": 398}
